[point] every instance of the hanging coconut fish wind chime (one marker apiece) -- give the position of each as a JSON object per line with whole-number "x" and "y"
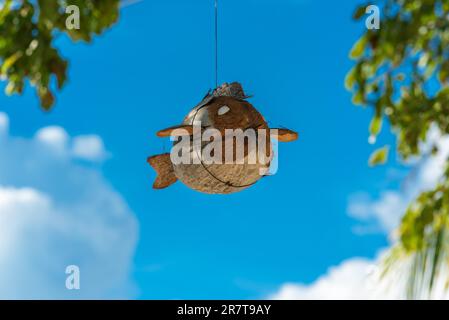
{"x": 223, "y": 110}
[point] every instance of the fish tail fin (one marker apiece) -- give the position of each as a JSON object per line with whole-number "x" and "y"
{"x": 164, "y": 169}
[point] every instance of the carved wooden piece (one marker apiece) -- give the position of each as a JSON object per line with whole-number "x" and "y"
{"x": 225, "y": 108}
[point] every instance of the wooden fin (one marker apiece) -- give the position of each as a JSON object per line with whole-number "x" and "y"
{"x": 182, "y": 130}
{"x": 164, "y": 169}
{"x": 285, "y": 135}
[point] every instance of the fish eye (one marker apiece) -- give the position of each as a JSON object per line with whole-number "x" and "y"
{"x": 223, "y": 110}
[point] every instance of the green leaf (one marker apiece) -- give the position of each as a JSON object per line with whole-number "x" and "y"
{"x": 28, "y": 30}
{"x": 438, "y": 248}
{"x": 350, "y": 79}
{"x": 358, "y": 48}
{"x": 443, "y": 75}
{"x": 357, "y": 99}
{"x": 376, "y": 125}
{"x": 9, "y": 62}
{"x": 400, "y": 76}
{"x": 47, "y": 98}
{"x": 5, "y": 8}
{"x": 359, "y": 12}
{"x": 379, "y": 157}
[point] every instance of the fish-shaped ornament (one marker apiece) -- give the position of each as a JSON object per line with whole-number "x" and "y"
{"x": 223, "y": 145}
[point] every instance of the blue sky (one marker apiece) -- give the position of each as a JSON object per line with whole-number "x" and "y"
{"x": 148, "y": 71}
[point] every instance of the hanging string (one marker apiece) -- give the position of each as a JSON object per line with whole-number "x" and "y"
{"x": 227, "y": 183}
{"x": 216, "y": 43}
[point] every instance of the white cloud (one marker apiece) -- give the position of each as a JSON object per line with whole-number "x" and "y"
{"x": 353, "y": 279}
{"x": 385, "y": 212}
{"x": 127, "y": 3}
{"x": 55, "y": 212}
{"x": 357, "y": 279}
{"x": 84, "y": 147}
{"x": 4, "y": 124}
{"x": 89, "y": 147}
{"x": 54, "y": 137}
